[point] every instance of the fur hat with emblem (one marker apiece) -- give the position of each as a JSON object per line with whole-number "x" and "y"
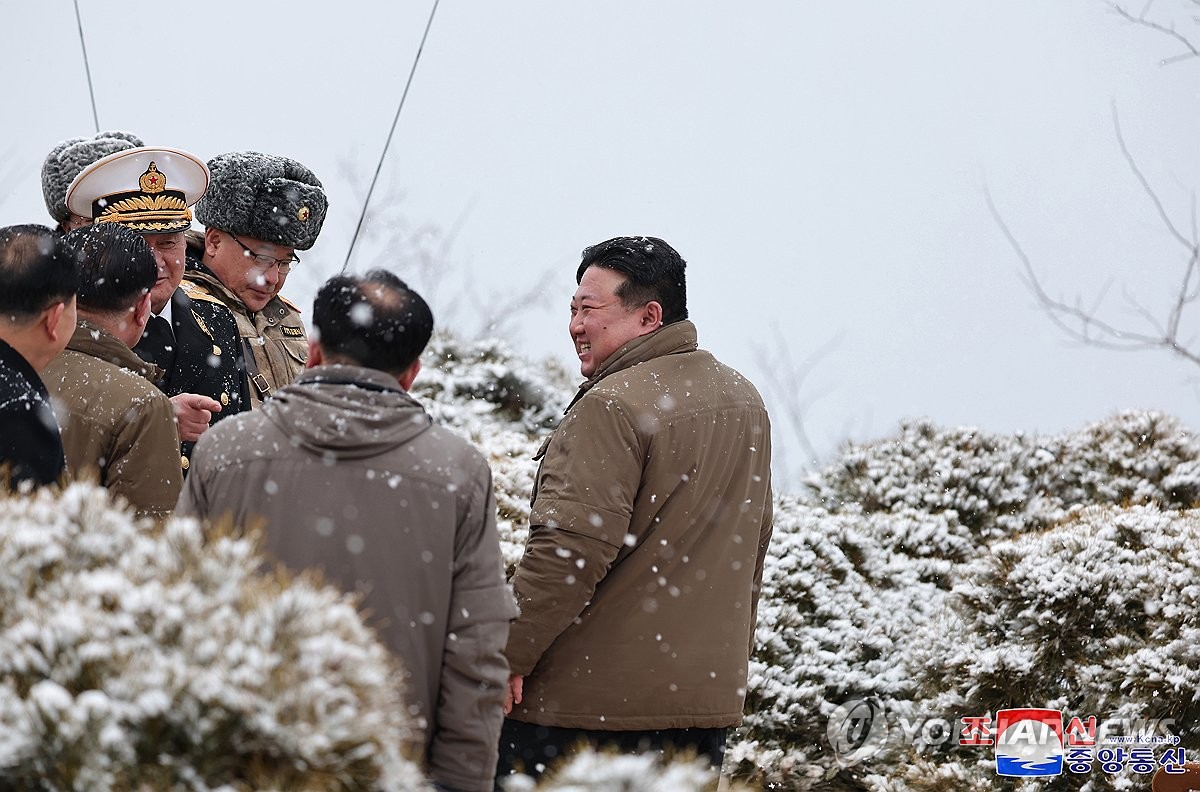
{"x": 68, "y": 158}
{"x": 265, "y": 197}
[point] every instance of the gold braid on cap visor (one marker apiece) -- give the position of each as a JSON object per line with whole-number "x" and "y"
{"x": 166, "y": 211}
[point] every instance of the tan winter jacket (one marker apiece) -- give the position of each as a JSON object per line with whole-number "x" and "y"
{"x": 352, "y": 477}
{"x": 651, "y": 517}
{"x": 275, "y": 335}
{"x": 115, "y": 423}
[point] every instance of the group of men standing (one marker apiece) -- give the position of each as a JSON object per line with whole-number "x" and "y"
{"x": 651, "y": 512}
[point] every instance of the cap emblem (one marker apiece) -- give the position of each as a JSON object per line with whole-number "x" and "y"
{"x": 152, "y": 181}
{"x": 303, "y": 214}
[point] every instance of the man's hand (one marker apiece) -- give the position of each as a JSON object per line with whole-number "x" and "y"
{"x": 516, "y": 683}
{"x": 192, "y": 414}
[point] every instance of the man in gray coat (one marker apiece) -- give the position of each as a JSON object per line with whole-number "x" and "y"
{"x": 351, "y": 476}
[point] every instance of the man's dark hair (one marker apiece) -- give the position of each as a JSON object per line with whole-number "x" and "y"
{"x": 375, "y": 321}
{"x": 116, "y": 266}
{"x": 652, "y": 268}
{"x": 37, "y": 270}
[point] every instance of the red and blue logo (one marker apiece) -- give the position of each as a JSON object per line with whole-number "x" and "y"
{"x": 1029, "y": 742}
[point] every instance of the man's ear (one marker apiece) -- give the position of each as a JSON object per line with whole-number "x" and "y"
{"x": 316, "y": 355}
{"x": 142, "y": 312}
{"x": 50, "y": 320}
{"x": 652, "y": 315}
{"x": 212, "y": 241}
{"x": 409, "y": 374}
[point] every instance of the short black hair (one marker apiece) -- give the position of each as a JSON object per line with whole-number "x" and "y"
{"x": 375, "y": 321}
{"x": 37, "y": 270}
{"x": 116, "y": 266}
{"x": 652, "y": 268}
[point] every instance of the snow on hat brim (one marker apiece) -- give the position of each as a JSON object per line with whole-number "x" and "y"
{"x": 265, "y": 197}
{"x": 147, "y": 189}
{"x": 68, "y": 158}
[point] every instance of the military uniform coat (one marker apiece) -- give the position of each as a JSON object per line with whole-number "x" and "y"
{"x": 275, "y": 336}
{"x": 651, "y": 516}
{"x": 115, "y": 423}
{"x": 30, "y": 445}
{"x": 207, "y": 356}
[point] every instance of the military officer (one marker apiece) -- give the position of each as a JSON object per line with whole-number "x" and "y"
{"x": 258, "y": 211}
{"x": 191, "y": 336}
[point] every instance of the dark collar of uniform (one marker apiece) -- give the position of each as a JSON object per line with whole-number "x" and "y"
{"x": 12, "y": 359}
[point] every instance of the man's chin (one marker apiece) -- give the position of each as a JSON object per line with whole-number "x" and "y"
{"x": 255, "y": 302}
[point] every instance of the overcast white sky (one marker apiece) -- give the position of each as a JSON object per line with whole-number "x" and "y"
{"x": 821, "y": 166}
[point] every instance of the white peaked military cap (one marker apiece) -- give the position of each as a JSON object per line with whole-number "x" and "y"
{"x": 146, "y": 189}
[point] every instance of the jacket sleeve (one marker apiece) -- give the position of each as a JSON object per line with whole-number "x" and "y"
{"x": 143, "y": 464}
{"x": 586, "y": 489}
{"x": 465, "y": 739}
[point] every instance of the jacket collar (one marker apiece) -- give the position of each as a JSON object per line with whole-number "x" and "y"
{"x": 15, "y": 360}
{"x": 196, "y": 271}
{"x": 673, "y": 339}
{"x": 372, "y": 379}
{"x": 93, "y": 340}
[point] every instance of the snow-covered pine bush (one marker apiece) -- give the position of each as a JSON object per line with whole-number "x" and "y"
{"x": 485, "y": 379}
{"x": 1094, "y": 616}
{"x": 837, "y": 613}
{"x": 994, "y": 485}
{"x": 592, "y": 771}
{"x": 142, "y": 658}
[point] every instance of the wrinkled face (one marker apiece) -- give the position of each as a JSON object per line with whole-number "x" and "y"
{"x": 600, "y": 323}
{"x": 169, "y": 254}
{"x": 253, "y": 283}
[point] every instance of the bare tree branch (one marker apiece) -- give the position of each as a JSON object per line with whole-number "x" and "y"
{"x": 1143, "y": 20}
{"x": 1146, "y": 187}
{"x": 1083, "y": 324}
{"x": 786, "y": 382}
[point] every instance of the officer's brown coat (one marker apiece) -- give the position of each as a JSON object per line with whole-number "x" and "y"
{"x": 115, "y": 423}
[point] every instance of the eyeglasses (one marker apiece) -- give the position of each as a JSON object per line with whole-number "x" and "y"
{"x": 265, "y": 261}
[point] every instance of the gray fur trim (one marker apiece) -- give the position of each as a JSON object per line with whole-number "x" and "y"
{"x": 66, "y": 160}
{"x": 265, "y": 197}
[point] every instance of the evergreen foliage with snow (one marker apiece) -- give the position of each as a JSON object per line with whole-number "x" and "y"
{"x": 137, "y": 657}
{"x": 994, "y": 485}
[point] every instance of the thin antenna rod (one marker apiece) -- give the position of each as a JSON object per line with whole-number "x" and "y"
{"x": 388, "y": 143}
{"x": 87, "y": 68}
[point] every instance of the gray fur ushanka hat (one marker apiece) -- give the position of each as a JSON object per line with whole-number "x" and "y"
{"x": 66, "y": 160}
{"x": 265, "y": 197}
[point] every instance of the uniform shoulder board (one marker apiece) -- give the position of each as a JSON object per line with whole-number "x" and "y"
{"x": 288, "y": 303}
{"x": 197, "y": 291}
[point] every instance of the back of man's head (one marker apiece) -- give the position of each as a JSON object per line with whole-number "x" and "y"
{"x": 37, "y": 270}
{"x": 652, "y": 268}
{"x": 116, "y": 267}
{"x": 375, "y": 321}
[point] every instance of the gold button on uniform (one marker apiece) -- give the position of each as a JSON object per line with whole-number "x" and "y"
{"x": 225, "y": 399}
{"x": 216, "y": 349}
{"x": 184, "y": 463}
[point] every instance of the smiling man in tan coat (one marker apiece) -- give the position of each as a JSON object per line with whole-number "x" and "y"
{"x": 651, "y": 517}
